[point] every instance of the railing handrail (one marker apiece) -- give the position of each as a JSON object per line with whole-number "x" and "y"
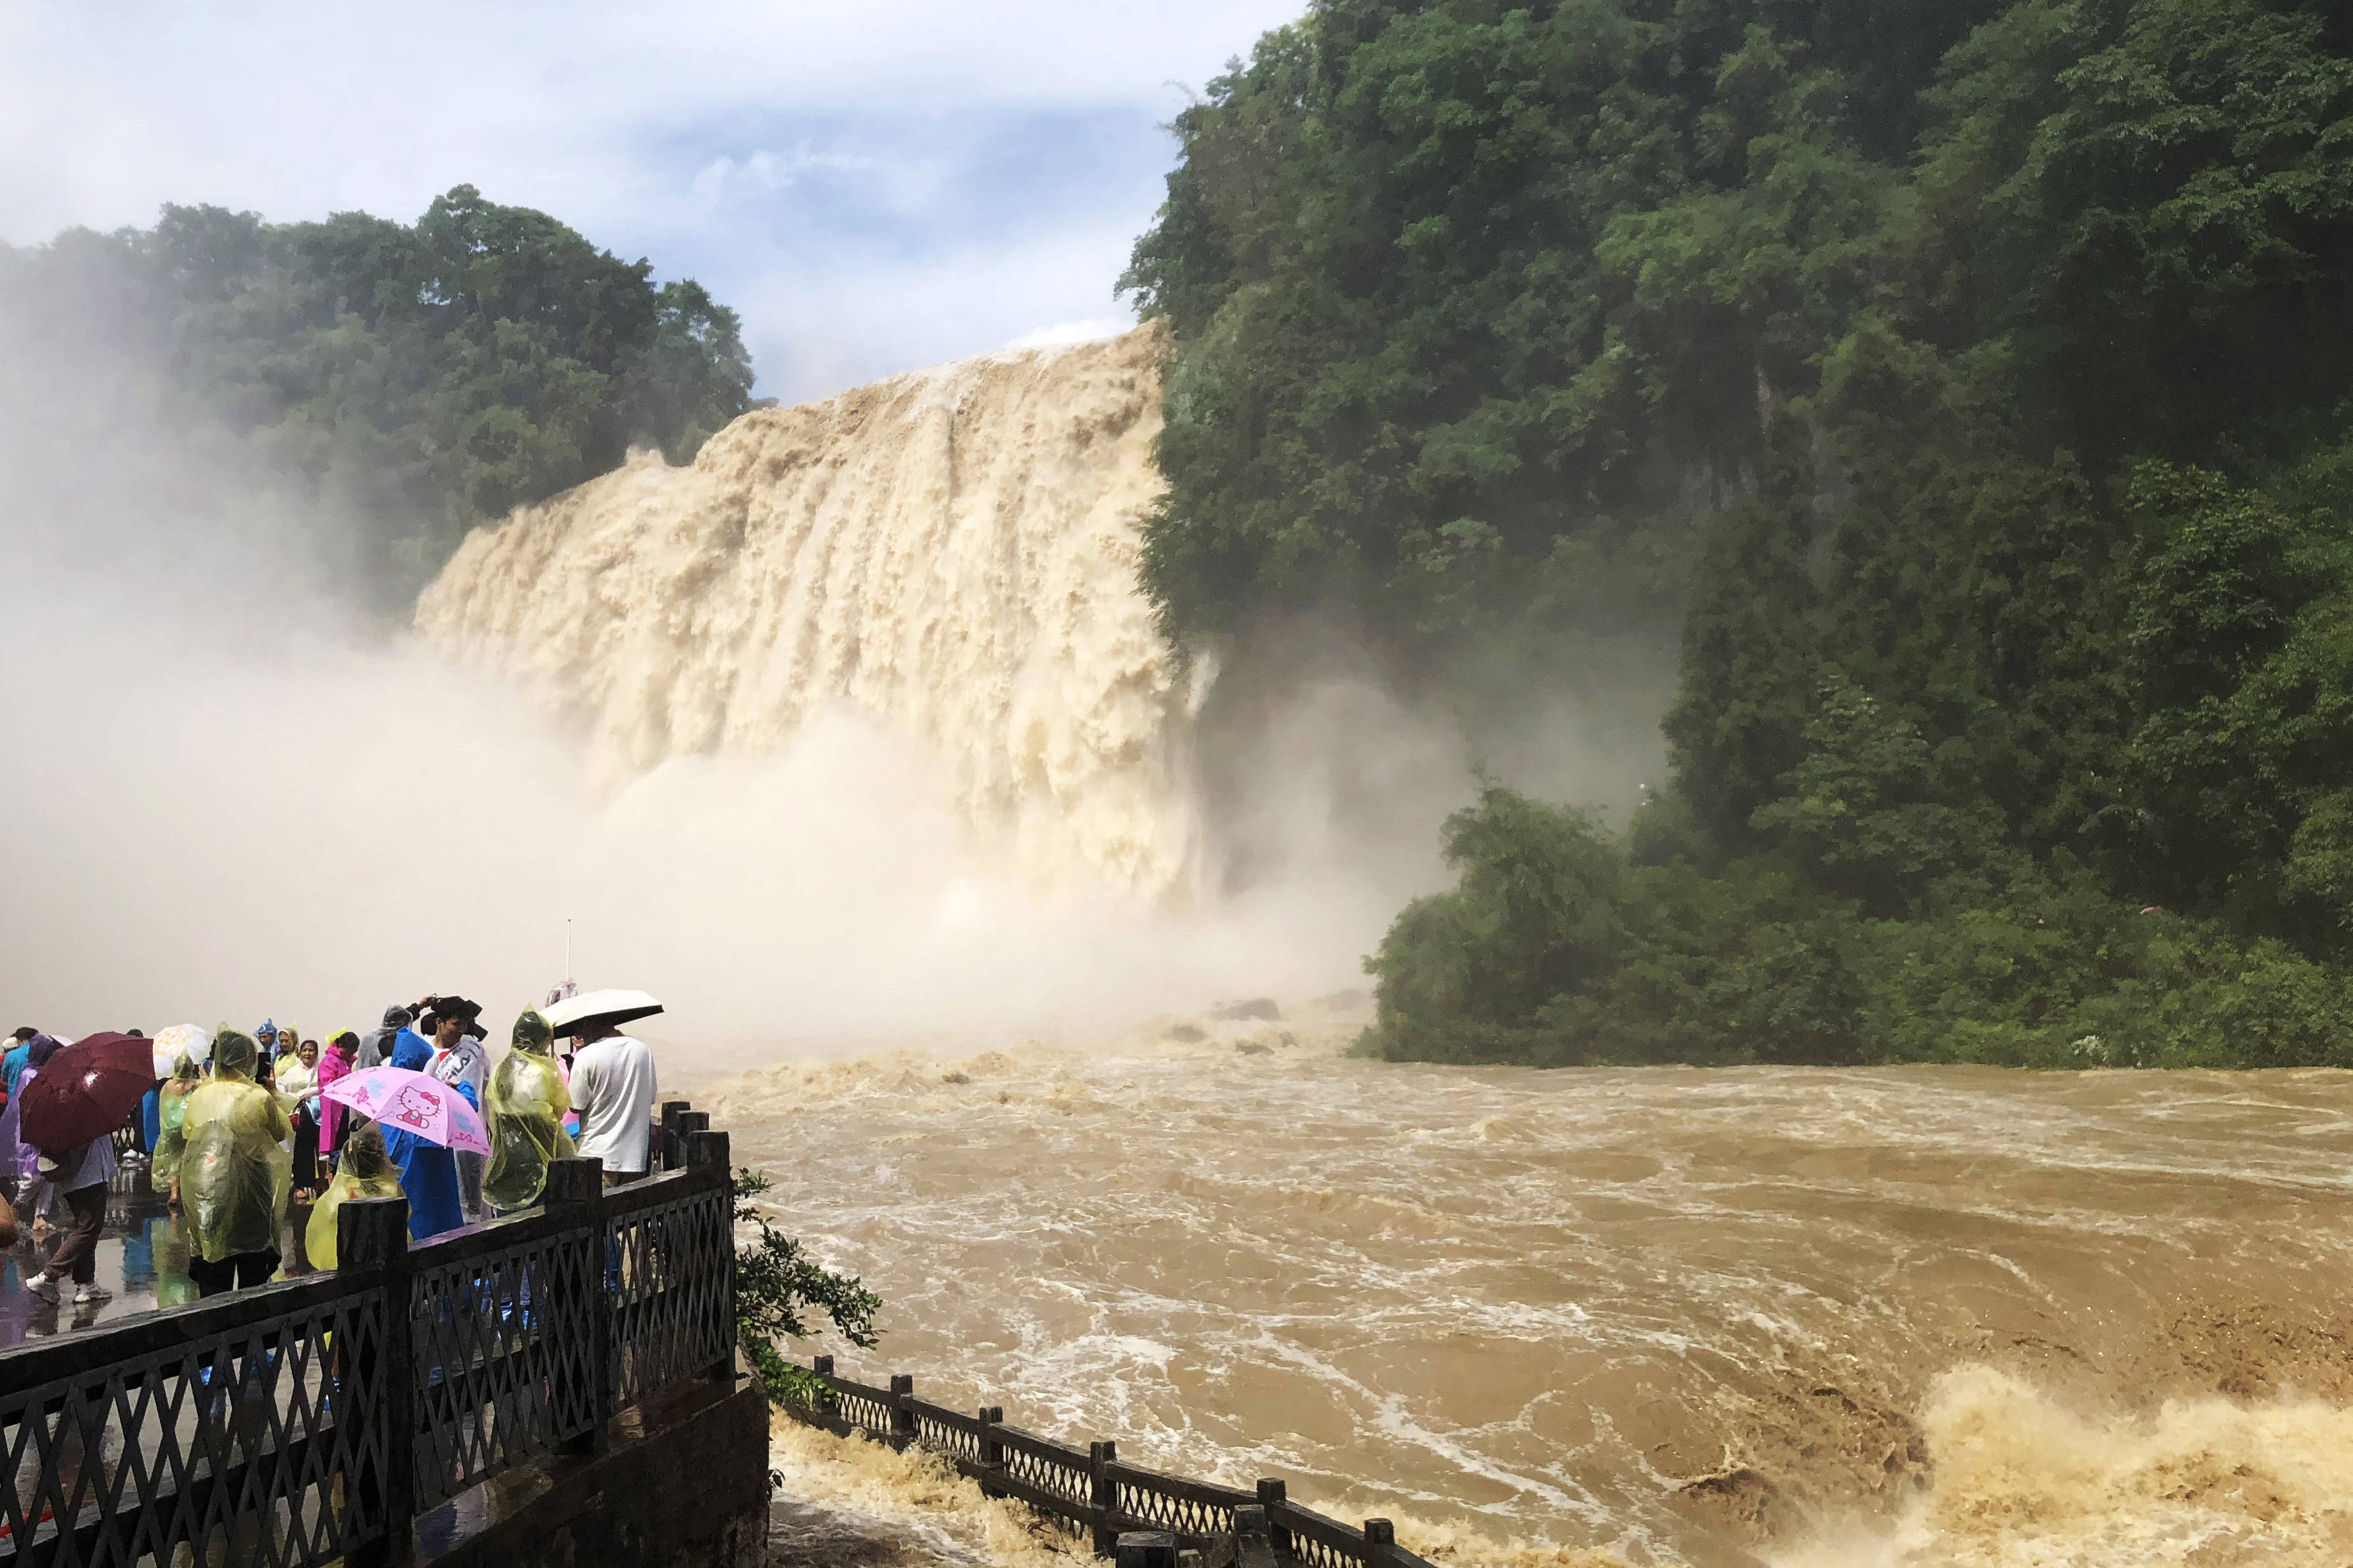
{"x": 1101, "y": 1473}
{"x": 440, "y": 1338}
{"x": 35, "y": 1363}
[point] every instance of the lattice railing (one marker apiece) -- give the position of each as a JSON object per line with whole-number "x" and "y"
{"x": 252, "y": 1429}
{"x": 1167, "y": 1502}
{"x": 945, "y": 1431}
{"x": 293, "y": 1424}
{"x": 869, "y": 1410}
{"x": 505, "y": 1354}
{"x": 670, "y": 1281}
{"x": 1056, "y": 1481}
{"x": 1089, "y": 1490}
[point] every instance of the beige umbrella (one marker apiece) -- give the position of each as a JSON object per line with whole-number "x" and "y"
{"x": 574, "y": 1012}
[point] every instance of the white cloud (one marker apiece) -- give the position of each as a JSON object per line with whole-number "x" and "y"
{"x": 671, "y": 131}
{"x": 765, "y": 172}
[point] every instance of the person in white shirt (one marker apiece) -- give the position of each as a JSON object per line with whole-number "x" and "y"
{"x": 461, "y": 1061}
{"x": 297, "y": 1077}
{"x": 613, "y": 1089}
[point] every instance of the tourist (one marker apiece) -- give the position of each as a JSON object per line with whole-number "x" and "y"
{"x": 298, "y": 1069}
{"x": 34, "y": 1190}
{"x": 462, "y": 1061}
{"x": 428, "y": 1174}
{"x": 453, "y": 1024}
{"x": 613, "y": 1085}
{"x": 526, "y": 1102}
{"x": 375, "y": 1045}
{"x": 235, "y": 1171}
{"x": 297, "y": 1088}
{"x": 362, "y": 1170}
{"x": 171, "y": 1123}
{"x": 334, "y": 1063}
{"x": 82, "y": 1175}
{"x": 12, "y": 1062}
{"x": 12, "y": 1070}
{"x": 265, "y": 1039}
{"x": 150, "y": 1118}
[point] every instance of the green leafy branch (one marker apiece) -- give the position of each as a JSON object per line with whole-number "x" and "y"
{"x": 775, "y": 1283}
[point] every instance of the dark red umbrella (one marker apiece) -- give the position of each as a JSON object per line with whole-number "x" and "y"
{"x": 86, "y": 1090}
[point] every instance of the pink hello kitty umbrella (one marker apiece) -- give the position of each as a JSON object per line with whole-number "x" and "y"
{"x": 405, "y": 1101}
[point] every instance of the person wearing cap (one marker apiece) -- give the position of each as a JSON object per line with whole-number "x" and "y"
{"x": 613, "y": 1089}
{"x": 461, "y": 1061}
{"x": 375, "y": 1045}
{"x": 12, "y": 1064}
{"x": 453, "y": 1024}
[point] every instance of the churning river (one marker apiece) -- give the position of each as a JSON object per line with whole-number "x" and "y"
{"x": 1797, "y": 1316}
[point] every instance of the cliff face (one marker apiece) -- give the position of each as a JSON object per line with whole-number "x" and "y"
{"x": 952, "y": 551}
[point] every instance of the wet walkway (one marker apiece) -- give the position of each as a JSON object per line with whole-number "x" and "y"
{"x": 143, "y": 1258}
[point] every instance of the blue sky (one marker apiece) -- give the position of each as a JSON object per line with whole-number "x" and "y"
{"x": 874, "y": 186}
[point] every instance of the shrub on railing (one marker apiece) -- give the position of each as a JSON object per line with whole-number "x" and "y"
{"x": 775, "y": 1281}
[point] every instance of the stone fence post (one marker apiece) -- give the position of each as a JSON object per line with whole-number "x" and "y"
{"x": 1272, "y": 1492}
{"x": 1103, "y": 1494}
{"x": 992, "y": 1449}
{"x": 372, "y": 1234}
{"x": 576, "y": 1199}
{"x": 707, "y": 1151}
{"x": 903, "y": 1418}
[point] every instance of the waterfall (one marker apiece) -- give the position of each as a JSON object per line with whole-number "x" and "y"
{"x": 951, "y": 551}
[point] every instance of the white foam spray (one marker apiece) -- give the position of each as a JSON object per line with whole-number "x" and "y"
{"x": 952, "y": 552}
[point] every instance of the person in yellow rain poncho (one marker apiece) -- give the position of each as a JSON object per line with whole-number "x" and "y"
{"x": 526, "y": 1101}
{"x": 362, "y": 1171}
{"x": 170, "y": 1112}
{"x": 235, "y": 1173}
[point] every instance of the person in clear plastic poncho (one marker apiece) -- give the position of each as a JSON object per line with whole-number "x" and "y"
{"x": 235, "y": 1173}
{"x": 362, "y": 1171}
{"x": 171, "y": 1123}
{"x": 526, "y": 1101}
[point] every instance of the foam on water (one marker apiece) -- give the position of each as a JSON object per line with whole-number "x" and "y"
{"x": 1802, "y": 1317}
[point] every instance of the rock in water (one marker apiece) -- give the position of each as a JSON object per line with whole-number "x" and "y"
{"x": 952, "y": 551}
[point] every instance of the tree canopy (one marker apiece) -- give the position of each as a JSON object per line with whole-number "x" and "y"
{"x": 1968, "y": 378}
{"x": 424, "y": 377}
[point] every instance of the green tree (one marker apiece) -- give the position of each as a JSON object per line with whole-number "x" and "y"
{"x": 423, "y": 378}
{"x": 1974, "y": 372}
{"x": 777, "y": 1284}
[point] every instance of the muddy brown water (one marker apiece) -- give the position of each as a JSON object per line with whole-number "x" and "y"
{"x": 1798, "y": 1316}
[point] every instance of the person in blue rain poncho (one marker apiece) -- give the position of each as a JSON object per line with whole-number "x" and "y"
{"x": 428, "y": 1173}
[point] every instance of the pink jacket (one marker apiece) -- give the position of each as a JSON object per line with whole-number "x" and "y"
{"x": 333, "y": 1064}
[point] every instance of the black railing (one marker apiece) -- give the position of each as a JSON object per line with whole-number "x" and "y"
{"x": 1090, "y": 1491}
{"x": 305, "y": 1421}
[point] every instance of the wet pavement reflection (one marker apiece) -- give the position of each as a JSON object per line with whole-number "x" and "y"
{"x": 143, "y": 1262}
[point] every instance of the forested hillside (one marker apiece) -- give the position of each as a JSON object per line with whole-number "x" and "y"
{"x": 421, "y": 378}
{"x": 1971, "y": 382}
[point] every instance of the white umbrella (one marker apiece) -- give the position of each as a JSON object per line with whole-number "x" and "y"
{"x": 194, "y": 1038}
{"x": 600, "y": 1008}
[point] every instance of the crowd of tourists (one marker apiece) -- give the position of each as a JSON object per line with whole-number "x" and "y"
{"x": 247, "y": 1130}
